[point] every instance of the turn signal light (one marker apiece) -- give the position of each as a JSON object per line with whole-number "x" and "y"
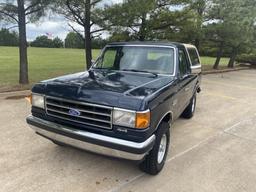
{"x": 142, "y": 119}
{"x": 29, "y": 98}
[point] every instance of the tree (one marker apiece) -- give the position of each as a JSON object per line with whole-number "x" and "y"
{"x": 8, "y": 38}
{"x": 42, "y": 41}
{"x": 217, "y": 33}
{"x": 74, "y": 40}
{"x": 236, "y": 21}
{"x": 98, "y": 43}
{"x": 120, "y": 36}
{"x": 200, "y": 10}
{"x": 87, "y": 14}
{"x": 21, "y": 12}
{"x": 57, "y": 42}
{"x": 134, "y": 17}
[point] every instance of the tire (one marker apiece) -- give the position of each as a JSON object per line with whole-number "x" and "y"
{"x": 155, "y": 160}
{"x": 190, "y": 110}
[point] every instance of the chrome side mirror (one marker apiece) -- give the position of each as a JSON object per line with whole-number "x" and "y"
{"x": 196, "y": 69}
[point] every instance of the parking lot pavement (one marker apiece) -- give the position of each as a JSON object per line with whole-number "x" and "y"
{"x": 214, "y": 151}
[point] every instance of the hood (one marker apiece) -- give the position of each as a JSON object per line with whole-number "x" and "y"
{"x": 113, "y": 88}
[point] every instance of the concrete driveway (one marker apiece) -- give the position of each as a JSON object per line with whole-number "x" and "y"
{"x": 214, "y": 151}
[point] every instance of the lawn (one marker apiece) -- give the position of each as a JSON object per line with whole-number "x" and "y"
{"x": 46, "y": 63}
{"x": 43, "y": 63}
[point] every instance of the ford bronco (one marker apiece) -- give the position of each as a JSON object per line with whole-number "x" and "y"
{"x": 124, "y": 105}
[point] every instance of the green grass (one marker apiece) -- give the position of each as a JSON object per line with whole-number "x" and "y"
{"x": 43, "y": 63}
{"x": 46, "y": 63}
{"x": 211, "y": 61}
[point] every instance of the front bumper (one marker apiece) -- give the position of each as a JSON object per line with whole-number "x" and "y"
{"x": 92, "y": 142}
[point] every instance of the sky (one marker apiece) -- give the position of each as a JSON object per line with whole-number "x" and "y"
{"x": 55, "y": 25}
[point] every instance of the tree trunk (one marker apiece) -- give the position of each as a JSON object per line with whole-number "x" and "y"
{"x": 23, "y": 79}
{"x": 219, "y": 55}
{"x": 87, "y": 34}
{"x": 142, "y": 32}
{"x": 232, "y": 59}
{"x": 197, "y": 43}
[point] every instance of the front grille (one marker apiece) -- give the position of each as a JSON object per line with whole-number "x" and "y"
{"x": 90, "y": 114}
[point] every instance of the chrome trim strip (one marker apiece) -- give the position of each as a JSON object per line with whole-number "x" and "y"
{"x": 88, "y": 146}
{"x": 82, "y": 117}
{"x": 79, "y": 102}
{"x": 163, "y": 118}
{"x": 82, "y": 110}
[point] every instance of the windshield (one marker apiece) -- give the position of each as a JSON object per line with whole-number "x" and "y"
{"x": 136, "y": 58}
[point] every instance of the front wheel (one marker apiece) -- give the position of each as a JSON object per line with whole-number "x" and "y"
{"x": 155, "y": 160}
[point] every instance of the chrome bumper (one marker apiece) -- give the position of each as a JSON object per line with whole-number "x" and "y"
{"x": 92, "y": 142}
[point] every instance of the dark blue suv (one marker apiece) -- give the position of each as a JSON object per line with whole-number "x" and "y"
{"x": 124, "y": 105}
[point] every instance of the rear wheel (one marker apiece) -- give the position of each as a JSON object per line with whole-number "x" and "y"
{"x": 155, "y": 160}
{"x": 190, "y": 110}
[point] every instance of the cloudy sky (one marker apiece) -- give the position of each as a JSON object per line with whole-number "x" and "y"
{"x": 51, "y": 24}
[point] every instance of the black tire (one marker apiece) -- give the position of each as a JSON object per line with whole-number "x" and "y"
{"x": 150, "y": 164}
{"x": 190, "y": 109}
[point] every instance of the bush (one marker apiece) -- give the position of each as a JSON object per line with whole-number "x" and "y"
{"x": 8, "y": 38}
{"x": 44, "y": 41}
{"x": 247, "y": 58}
{"x": 41, "y": 41}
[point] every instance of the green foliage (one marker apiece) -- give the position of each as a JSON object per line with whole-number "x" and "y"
{"x": 234, "y": 26}
{"x": 44, "y": 41}
{"x": 57, "y": 42}
{"x": 73, "y": 40}
{"x": 8, "y": 38}
{"x": 34, "y": 10}
{"x": 98, "y": 43}
{"x": 135, "y": 17}
{"x": 120, "y": 36}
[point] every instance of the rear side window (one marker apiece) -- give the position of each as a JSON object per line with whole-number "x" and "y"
{"x": 193, "y": 56}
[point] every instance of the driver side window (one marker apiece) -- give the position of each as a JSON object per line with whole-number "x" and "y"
{"x": 183, "y": 63}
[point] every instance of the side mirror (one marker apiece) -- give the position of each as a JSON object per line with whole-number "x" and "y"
{"x": 196, "y": 69}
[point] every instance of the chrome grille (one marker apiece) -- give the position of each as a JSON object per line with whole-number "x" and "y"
{"x": 90, "y": 114}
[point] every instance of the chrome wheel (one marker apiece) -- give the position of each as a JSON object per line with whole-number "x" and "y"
{"x": 162, "y": 149}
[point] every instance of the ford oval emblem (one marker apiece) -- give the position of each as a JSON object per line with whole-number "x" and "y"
{"x": 74, "y": 112}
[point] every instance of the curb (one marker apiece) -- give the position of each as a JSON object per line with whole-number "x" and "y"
{"x": 14, "y": 93}
{"x": 225, "y": 70}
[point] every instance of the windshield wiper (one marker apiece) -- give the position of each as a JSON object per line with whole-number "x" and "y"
{"x": 142, "y": 71}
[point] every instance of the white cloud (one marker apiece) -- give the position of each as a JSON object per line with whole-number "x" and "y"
{"x": 56, "y": 28}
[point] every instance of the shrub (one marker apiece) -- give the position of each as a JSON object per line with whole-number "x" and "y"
{"x": 8, "y": 38}
{"x": 41, "y": 41}
{"x": 247, "y": 58}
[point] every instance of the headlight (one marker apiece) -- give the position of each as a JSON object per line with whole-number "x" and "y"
{"x": 131, "y": 119}
{"x": 37, "y": 100}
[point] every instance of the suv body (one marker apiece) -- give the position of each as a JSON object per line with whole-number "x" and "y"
{"x": 124, "y": 105}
